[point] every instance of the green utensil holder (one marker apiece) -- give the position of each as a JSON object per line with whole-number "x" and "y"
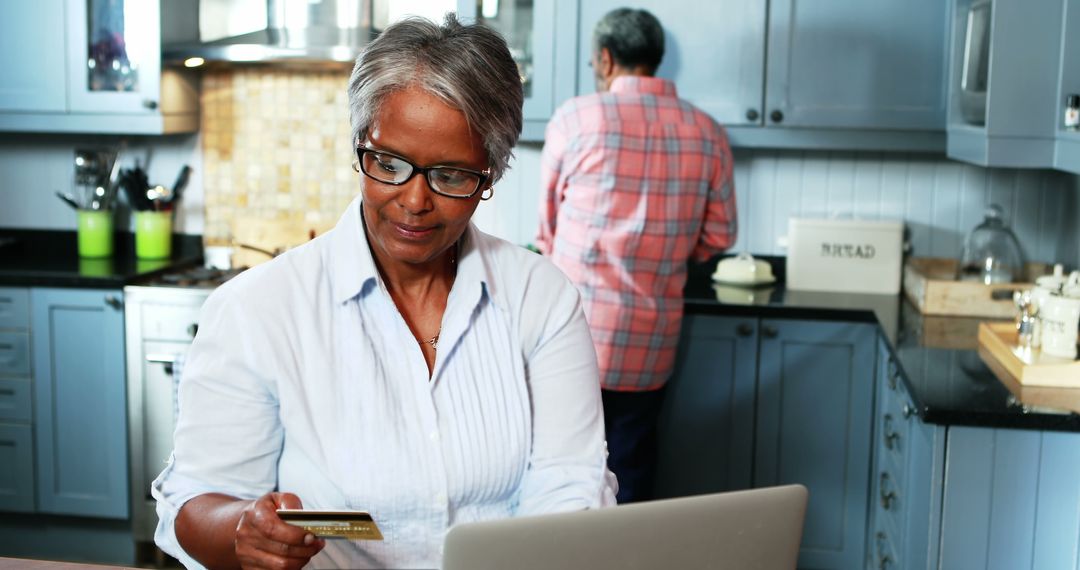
{"x": 95, "y": 233}
{"x": 153, "y": 235}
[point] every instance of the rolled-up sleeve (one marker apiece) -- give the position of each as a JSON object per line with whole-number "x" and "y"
{"x": 228, "y": 435}
{"x": 567, "y": 468}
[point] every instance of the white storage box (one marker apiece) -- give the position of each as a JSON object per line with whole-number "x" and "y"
{"x": 851, "y": 256}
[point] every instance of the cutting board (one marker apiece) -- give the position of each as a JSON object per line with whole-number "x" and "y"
{"x": 272, "y": 235}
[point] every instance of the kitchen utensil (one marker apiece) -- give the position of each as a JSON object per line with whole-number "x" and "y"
{"x": 68, "y": 199}
{"x": 181, "y": 183}
{"x": 159, "y": 197}
{"x": 743, "y": 270}
{"x": 991, "y": 252}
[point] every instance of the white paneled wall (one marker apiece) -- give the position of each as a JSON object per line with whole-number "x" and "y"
{"x": 940, "y": 200}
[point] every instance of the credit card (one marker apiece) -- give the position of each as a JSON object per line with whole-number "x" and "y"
{"x": 355, "y": 525}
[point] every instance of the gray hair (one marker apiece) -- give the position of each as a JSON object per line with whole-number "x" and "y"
{"x": 468, "y": 67}
{"x": 634, "y": 37}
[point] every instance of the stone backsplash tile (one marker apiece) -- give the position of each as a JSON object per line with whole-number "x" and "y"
{"x": 276, "y": 146}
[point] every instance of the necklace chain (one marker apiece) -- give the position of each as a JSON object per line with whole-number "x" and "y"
{"x": 433, "y": 341}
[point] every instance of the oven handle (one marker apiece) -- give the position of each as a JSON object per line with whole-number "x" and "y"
{"x": 163, "y": 358}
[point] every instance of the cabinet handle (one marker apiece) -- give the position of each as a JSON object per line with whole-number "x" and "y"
{"x": 771, "y": 332}
{"x": 744, "y": 330}
{"x": 752, "y": 115}
{"x": 884, "y": 560}
{"x": 887, "y": 497}
{"x": 150, "y": 104}
{"x": 113, "y": 301}
{"x": 6, "y": 346}
{"x": 893, "y": 373}
{"x": 908, "y": 411}
{"x": 7, "y": 392}
{"x": 891, "y": 437}
{"x": 777, "y": 116}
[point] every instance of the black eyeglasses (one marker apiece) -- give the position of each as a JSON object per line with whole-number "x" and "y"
{"x": 448, "y": 181}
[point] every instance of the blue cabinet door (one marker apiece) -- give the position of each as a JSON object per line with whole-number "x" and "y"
{"x": 713, "y": 51}
{"x": 814, "y": 420}
{"x": 1012, "y": 499}
{"x": 37, "y": 83}
{"x": 80, "y": 409}
{"x": 706, "y": 427}
{"x": 866, "y": 65}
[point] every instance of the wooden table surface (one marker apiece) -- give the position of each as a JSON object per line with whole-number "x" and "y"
{"x": 27, "y": 564}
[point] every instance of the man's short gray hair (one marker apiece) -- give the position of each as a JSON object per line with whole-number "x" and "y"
{"x": 634, "y": 38}
{"x": 468, "y": 67}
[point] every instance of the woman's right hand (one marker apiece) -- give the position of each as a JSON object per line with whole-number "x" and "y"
{"x": 263, "y": 540}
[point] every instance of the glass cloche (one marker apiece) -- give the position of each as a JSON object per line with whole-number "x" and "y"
{"x": 991, "y": 252}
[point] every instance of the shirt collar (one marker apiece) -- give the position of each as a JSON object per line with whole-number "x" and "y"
{"x": 642, "y": 84}
{"x": 352, "y": 266}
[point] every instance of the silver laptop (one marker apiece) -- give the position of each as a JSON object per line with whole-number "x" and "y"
{"x": 758, "y": 529}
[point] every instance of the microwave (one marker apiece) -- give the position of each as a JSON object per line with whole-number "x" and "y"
{"x": 975, "y": 70}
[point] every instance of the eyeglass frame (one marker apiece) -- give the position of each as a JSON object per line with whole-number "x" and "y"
{"x": 483, "y": 175}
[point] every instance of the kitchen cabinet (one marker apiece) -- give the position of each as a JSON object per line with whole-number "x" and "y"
{"x": 540, "y": 37}
{"x": 908, "y": 476}
{"x": 33, "y": 78}
{"x": 762, "y": 402}
{"x": 105, "y": 76}
{"x": 1011, "y": 499}
{"x": 80, "y": 409}
{"x": 1003, "y": 83}
{"x": 1067, "y": 146}
{"x": 800, "y": 73}
{"x": 16, "y": 444}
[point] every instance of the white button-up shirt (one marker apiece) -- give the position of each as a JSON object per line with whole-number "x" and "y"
{"x": 305, "y": 378}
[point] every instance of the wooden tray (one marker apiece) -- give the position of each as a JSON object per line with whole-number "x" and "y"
{"x": 1038, "y": 381}
{"x": 930, "y": 283}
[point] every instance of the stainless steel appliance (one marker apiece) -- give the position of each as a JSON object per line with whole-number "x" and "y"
{"x": 161, "y": 320}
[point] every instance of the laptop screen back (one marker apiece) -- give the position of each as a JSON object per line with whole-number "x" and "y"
{"x": 755, "y": 529}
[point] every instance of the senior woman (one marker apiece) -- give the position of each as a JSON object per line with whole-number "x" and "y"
{"x": 404, "y": 363}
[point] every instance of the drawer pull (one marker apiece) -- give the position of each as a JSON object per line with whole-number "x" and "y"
{"x": 884, "y": 560}
{"x": 887, "y": 497}
{"x": 7, "y": 392}
{"x": 892, "y": 374}
{"x": 891, "y": 437}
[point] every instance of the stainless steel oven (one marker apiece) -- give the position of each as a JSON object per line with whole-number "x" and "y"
{"x": 161, "y": 320}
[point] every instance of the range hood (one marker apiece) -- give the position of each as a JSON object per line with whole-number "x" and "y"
{"x": 277, "y": 31}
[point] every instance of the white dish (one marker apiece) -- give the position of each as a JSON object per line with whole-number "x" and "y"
{"x": 743, "y": 271}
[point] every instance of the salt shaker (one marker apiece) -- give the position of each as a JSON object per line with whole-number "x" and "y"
{"x": 1026, "y": 319}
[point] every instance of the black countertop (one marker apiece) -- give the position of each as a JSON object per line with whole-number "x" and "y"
{"x": 45, "y": 258}
{"x": 938, "y": 357}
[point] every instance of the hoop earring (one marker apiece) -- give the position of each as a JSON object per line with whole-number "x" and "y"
{"x": 356, "y": 165}
{"x": 490, "y": 192}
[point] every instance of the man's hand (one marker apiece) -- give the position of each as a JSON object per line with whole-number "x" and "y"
{"x": 263, "y": 540}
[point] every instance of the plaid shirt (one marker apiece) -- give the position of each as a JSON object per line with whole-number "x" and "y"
{"x": 635, "y": 182}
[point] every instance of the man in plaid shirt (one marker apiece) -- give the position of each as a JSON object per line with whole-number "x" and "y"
{"x": 635, "y": 183}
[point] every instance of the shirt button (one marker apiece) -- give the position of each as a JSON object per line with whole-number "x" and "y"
{"x": 434, "y": 436}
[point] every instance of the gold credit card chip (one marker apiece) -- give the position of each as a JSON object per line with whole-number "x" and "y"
{"x": 355, "y": 525}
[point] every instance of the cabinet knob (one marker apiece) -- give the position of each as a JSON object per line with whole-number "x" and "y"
{"x": 744, "y": 329}
{"x": 887, "y": 497}
{"x": 893, "y": 373}
{"x": 908, "y": 410}
{"x": 150, "y": 104}
{"x": 752, "y": 115}
{"x": 891, "y": 437}
{"x": 776, "y": 116}
{"x": 770, "y": 332}
{"x": 114, "y": 301}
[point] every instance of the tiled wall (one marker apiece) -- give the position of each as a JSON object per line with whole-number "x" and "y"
{"x": 275, "y": 143}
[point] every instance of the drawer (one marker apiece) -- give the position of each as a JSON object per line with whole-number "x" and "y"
{"x": 14, "y": 308}
{"x": 883, "y": 553}
{"x": 16, "y": 468}
{"x": 14, "y": 353}
{"x": 170, "y": 322}
{"x": 15, "y": 402}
